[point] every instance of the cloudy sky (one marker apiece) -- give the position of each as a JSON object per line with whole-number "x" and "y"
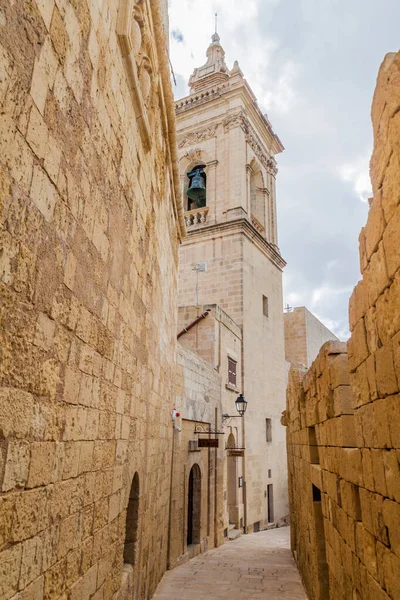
{"x": 312, "y": 65}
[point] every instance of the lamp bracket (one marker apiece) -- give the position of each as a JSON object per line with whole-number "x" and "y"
{"x": 226, "y": 417}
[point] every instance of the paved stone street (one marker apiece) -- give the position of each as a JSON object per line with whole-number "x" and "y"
{"x": 258, "y": 565}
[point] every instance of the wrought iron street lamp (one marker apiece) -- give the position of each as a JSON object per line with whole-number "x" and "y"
{"x": 241, "y": 405}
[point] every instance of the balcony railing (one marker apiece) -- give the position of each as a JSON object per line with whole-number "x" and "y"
{"x": 196, "y": 217}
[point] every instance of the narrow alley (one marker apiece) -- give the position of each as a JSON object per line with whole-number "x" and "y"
{"x": 259, "y": 565}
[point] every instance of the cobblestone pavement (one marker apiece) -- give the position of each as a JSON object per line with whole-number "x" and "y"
{"x": 258, "y": 565}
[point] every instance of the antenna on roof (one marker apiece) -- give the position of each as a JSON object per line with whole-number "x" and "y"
{"x": 216, "y": 22}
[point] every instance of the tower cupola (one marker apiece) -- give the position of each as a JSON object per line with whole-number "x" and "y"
{"x": 214, "y": 71}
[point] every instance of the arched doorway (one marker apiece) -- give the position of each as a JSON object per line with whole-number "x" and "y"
{"x": 194, "y": 506}
{"x": 132, "y": 519}
{"x": 232, "y": 481}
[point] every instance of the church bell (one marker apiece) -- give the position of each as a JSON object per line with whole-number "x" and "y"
{"x": 197, "y": 188}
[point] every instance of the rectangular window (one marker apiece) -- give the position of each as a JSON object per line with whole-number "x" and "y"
{"x": 232, "y": 371}
{"x": 270, "y": 494}
{"x": 269, "y": 473}
{"x": 268, "y": 425}
{"x": 265, "y": 306}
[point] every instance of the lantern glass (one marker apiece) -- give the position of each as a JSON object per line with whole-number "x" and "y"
{"x": 241, "y": 404}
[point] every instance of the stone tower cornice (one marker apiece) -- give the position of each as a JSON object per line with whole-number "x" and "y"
{"x": 237, "y": 118}
{"x": 239, "y": 225}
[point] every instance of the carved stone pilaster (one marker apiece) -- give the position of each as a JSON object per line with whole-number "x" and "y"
{"x": 134, "y": 41}
{"x": 239, "y": 119}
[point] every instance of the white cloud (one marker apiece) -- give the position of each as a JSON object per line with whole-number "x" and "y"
{"x": 281, "y": 95}
{"x": 357, "y": 173}
{"x": 238, "y": 30}
{"x": 314, "y": 73}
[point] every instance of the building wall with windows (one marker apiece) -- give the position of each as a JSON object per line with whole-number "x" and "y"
{"x": 90, "y": 219}
{"x": 217, "y": 340}
{"x": 197, "y": 500}
{"x": 264, "y": 383}
{"x": 221, "y": 129}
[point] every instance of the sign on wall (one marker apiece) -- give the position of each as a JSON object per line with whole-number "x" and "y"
{"x": 208, "y": 443}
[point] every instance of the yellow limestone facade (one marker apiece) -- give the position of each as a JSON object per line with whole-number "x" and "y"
{"x": 221, "y": 129}
{"x": 213, "y": 339}
{"x": 90, "y": 223}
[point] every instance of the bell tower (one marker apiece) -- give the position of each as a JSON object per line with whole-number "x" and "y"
{"x": 227, "y": 150}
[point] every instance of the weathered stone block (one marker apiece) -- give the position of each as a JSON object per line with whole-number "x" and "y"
{"x": 391, "y": 516}
{"x": 374, "y": 227}
{"x": 391, "y": 460}
{"x": 385, "y": 373}
{"x": 70, "y": 534}
{"x": 376, "y": 277}
{"x": 16, "y": 412}
{"x": 42, "y": 469}
{"x": 365, "y": 546}
{"x": 357, "y": 346}
{"x": 31, "y": 563}
{"x": 9, "y": 570}
{"x": 390, "y": 188}
{"x": 349, "y": 495}
{"x": 387, "y": 313}
{"x": 16, "y": 465}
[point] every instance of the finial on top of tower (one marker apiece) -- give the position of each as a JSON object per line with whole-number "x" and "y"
{"x": 214, "y": 71}
{"x": 215, "y": 37}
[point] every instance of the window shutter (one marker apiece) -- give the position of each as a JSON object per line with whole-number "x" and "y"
{"x": 231, "y": 371}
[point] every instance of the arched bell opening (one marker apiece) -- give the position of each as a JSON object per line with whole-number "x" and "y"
{"x": 196, "y": 187}
{"x": 194, "y": 506}
{"x": 132, "y": 521}
{"x": 257, "y": 196}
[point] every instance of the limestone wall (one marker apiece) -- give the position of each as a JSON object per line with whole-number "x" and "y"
{"x": 89, "y": 228}
{"x": 214, "y": 339}
{"x": 343, "y": 441}
{"x": 304, "y": 335}
{"x": 198, "y": 399}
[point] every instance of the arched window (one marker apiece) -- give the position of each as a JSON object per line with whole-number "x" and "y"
{"x": 196, "y": 187}
{"x": 132, "y": 518}
{"x": 194, "y": 506}
{"x": 257, "y": 198}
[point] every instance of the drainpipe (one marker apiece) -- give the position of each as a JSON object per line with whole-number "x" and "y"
{"x": 216, "y": 484}
{"x": 186, "y": 329}
{"x": 244, "y": 475}
{"x": 244, "y": 445}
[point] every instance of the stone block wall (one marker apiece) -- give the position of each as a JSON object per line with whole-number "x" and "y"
{"x": 343, "y": 415}
{"x": 198, "y": 400}
{"x": 89, "y": 232}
